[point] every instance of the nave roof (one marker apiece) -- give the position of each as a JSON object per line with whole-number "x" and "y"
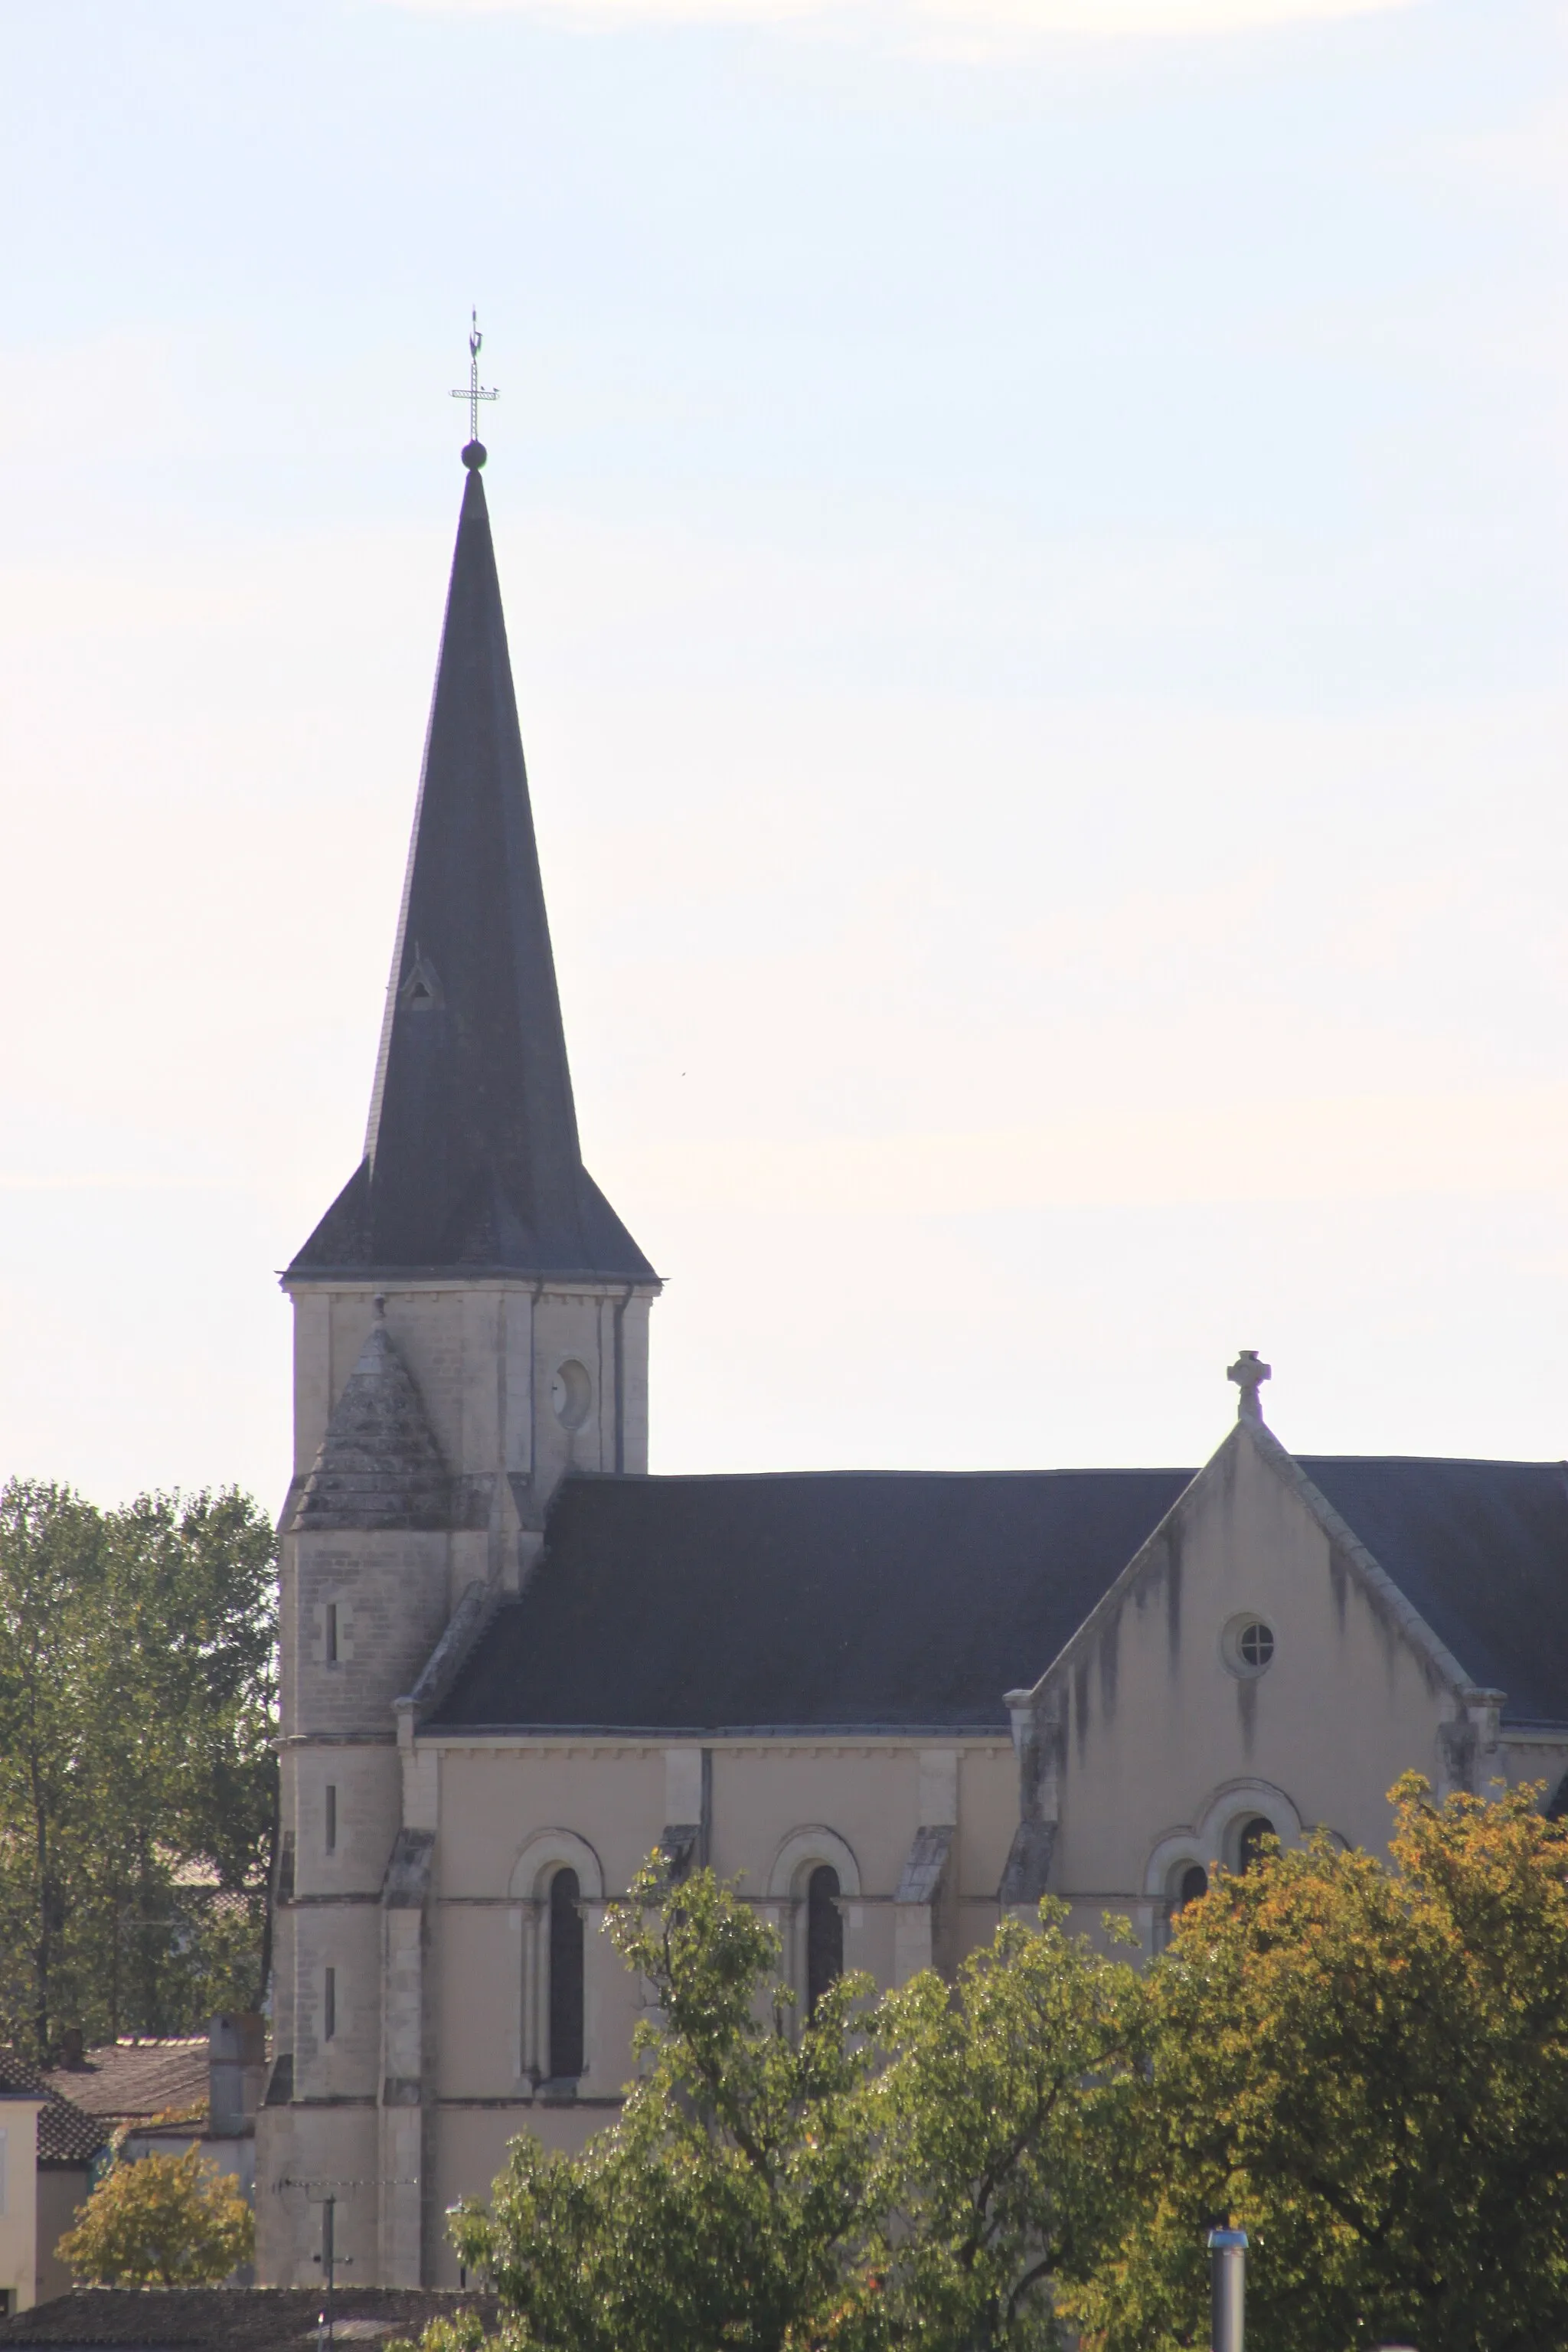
{"x": 902, "y": 1602}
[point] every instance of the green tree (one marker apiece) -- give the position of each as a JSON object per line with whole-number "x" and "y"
{"x": 726, "y": 2204}
{"x": 160, "y": 2220}
{"x": 137, "y": 1785}
{"x": 907, "y": 2173}
{"x": 50, "y": 1580}
{"x": 1365, "y": 2065}
{"x": 993, "y": 2107}
{"x": 1367, "y": 2069}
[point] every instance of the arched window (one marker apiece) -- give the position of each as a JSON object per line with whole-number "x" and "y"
{"x": 1557, "y": 1808}
{"x": 566, "y": 2051}
{"x": 1185, "y": 1881}
{"x": 1251, "y": 1846}
{"x": 824, "y": 1933}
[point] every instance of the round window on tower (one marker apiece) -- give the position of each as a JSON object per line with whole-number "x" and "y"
{"x": 1246, "y": 1646}
{"x": 571, "y": 1394}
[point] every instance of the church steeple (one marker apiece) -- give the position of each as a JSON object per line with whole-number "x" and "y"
{"x": 472, "y": 1159}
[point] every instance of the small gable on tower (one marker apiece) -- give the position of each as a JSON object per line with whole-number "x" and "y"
{"x": 379, "y": 1464}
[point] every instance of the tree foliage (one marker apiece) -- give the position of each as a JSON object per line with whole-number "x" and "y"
{"x": 137, "y": 1783}
{"x": 905, "y": 2172}
{"x": 1367, "y": 2069}
{"x": 992, "y": 2105}
{"x": 1364, "y": 2065}
{"x": 160, "y": 2220}
{"x": 727, "y": 2202}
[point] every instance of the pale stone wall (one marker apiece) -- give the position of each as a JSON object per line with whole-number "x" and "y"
{"x": 1531, "y": 1757}
{"x": 390, "y": 1592}
{"x": 486, "y": 1357}
{"x": 18, "y": 2200}
{"x": 1163, "y": 1750}
{"x": 316, "y": 2145}
{"x": 521, "y": 1383}
{"x": 511, "y": 1810}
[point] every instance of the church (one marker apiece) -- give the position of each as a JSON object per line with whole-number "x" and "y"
{"x": 894, "y": 1705}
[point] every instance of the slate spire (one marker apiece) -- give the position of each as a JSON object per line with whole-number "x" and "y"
{"x": 471, "y": 1159}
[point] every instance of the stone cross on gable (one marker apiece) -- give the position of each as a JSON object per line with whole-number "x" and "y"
{"x": 1249, "y": 1372}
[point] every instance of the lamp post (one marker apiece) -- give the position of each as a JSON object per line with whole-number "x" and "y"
{"x": 1228, "y": 2289}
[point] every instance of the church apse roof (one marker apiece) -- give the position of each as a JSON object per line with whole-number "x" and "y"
{"x": 860, "y": 1600}
{"x": 473, "y": 1160}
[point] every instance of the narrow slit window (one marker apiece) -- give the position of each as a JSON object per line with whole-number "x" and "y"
{"x": 565, "y": 1977}
{"x": 330, "y": 2006}
{"x": 824, "y": 1934}
{"x": 331, "y": 1632}
{"x": 331, "y": 1817}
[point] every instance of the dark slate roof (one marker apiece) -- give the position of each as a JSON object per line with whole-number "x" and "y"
{"x": 867, "y": 1600}
{"x": 379, "y": 1464}
{"x": 472, "y": 1159}
{"x": 860, "y": 1598}
{"x": 1481, "y": 1549}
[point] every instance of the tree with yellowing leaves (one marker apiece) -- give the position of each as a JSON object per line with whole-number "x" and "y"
{"x": 1366, "y": 2068}
{"x": 160, "y": 2220}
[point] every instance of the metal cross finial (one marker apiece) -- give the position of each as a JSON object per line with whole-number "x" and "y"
{"x": 1249, "y": 1373}
{"x": 474, "y": 455}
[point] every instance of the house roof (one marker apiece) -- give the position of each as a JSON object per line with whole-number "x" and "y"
{"x": 230, "y": 2319}
{"x": 65, "y": 2135}
{"x": 898, "y": 1602}
{"x": 472, "y": 1158}
{"x": 127, "y": 2081}
{"x": 864, "y": 1599}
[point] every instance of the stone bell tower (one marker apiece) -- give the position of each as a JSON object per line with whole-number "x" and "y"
{"x": 470, "y": 1325}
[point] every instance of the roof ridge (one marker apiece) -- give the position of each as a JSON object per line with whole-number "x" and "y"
{"x": 1458, "y": 1460}
{"x": 740, "y": 1477}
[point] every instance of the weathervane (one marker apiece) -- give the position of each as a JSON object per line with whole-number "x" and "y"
{"x": 474, "y": 455}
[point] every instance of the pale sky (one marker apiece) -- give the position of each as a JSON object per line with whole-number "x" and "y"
{"x": 1032, "y": 538}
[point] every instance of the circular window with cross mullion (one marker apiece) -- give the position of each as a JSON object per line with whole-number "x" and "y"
{"x": 1246, "y": 1646}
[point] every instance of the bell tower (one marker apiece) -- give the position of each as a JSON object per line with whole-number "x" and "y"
{"x": 470, "y": 1323}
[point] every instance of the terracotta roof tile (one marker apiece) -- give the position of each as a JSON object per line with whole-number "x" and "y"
{"x": 65, "y": 2135}
{"x": 228, "y": 2319}
{"x": 124, "y": 2081}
